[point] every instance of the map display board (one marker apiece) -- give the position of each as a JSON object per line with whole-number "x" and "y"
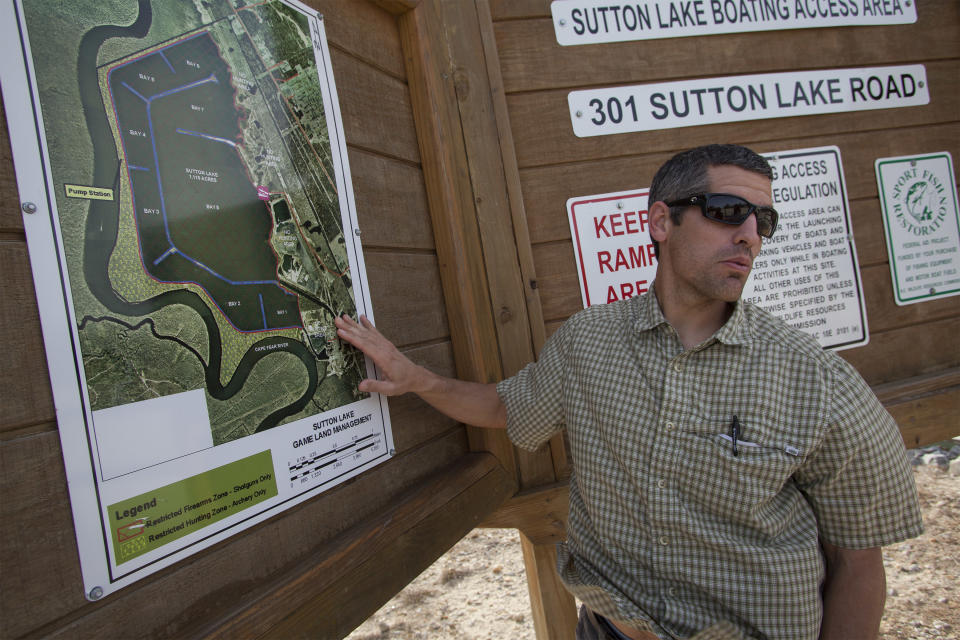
{"x": 807, "y": 273}
{"x": 921, "y": 219}
{"x": 192, "y": 233}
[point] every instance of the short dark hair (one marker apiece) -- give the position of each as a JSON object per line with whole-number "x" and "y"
{"x": 686, "y": 173}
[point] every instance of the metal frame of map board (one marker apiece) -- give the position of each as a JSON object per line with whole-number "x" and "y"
{"x": 136, "y": 516}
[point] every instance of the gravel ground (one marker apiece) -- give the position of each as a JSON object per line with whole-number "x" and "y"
{"x": 923, "y": 594}
{"x": 478, "y": 590}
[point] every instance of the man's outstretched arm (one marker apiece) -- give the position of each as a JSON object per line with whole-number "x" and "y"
{"x": 469, "y": 402}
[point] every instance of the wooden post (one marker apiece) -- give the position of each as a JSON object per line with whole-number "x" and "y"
{"x": 554, "y": 610}
{"x": 477, "y": 208}
{"x": 541, "y": 516}
{"x": 449, "y": 192}
{"x": 479, "y": 129}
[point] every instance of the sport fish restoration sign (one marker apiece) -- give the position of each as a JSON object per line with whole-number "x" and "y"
{"x": 648, "y": 107}
{"x": 807, "y": 274}
{"x": 921, "y": 218}
{"x": 578, "y": 22}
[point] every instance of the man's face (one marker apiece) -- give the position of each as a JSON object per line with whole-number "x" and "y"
{"x": 708, "y": 260}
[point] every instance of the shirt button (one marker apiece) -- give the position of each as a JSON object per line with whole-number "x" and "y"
{"x": 669, "y": 426}
{"x": 661, "y": 484}
{"x": 664, "y": 540}
{"x": 672, "y": 592}
{"x": 677, "y": 366}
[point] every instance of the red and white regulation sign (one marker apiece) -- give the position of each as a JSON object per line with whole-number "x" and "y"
{"x": 612, "y": 245}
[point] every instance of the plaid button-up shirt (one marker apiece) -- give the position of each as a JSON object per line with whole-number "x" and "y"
{"x": 670, "y": 528}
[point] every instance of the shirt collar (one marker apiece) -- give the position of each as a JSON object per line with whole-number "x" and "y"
{"x": 736, "y": 330}
{"x": 648, "y": 312}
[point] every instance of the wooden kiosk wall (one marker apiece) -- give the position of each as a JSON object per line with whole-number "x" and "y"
{"x": 913, "y": 357}
{"x": 463, "y": 157}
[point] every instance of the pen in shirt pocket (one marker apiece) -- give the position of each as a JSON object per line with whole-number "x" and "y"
{"x": 737, "y": 442}
{"x": 735, "y": 434}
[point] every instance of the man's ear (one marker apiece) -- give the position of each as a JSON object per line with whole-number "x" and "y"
{"x": 658, "y": 215}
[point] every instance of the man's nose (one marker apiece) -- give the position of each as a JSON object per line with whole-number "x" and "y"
{"x": 747, "y": 232}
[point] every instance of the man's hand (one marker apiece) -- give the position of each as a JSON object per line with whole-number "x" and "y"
{"x": 468, "y": 402}
{"x": 400, "y": 374}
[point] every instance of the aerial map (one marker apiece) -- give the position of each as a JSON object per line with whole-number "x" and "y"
{"x": 215, "y": 255}
{"x": 192, "y": 237}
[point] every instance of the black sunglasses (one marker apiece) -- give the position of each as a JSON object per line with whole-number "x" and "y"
{"x": 730, "y": 209}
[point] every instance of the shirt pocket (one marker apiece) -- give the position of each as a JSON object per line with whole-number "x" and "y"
{"x": 747, "y": 485}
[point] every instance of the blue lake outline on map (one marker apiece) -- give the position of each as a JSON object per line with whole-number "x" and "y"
{"x": 198, "y": 216}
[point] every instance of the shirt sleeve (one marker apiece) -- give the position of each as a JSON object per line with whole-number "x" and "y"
{"x": 859, "y": 482}
{"x": 534, "y": 397}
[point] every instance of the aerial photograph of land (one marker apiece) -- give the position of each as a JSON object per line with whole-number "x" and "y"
{"x": 212, "y": 252}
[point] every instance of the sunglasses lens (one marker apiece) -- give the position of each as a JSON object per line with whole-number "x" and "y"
{"x": 733, "y": 210}
{"x": 727, "y": 209}
{"x": 766, "y": 221}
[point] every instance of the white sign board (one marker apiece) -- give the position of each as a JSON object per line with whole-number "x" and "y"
{"x": 611, "y": 243}
{"x": 192, "y": 238}
{"x": 807, "y": 274}
{"x": 668, "y": 105}
{"x": 578, "y": 22}
{"x": 922, "y": 222}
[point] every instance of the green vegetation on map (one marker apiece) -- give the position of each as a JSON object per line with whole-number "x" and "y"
{"x": 222, "y": 261}
{"x": 126, "y": 364}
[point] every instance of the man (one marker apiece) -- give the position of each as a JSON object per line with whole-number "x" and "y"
{"x": 728, "y": 474}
